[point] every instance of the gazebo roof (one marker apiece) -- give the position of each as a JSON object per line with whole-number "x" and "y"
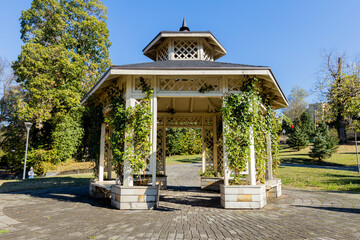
{"x": 150, "y": 49}
{"x": 188, "y": 64}
{"x": 196, "y": 67}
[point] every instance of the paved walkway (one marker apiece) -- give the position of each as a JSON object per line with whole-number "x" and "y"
{"x": 67, "y": 213}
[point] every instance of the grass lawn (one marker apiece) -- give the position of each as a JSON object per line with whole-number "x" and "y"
{"x": 181, "y": 159}
{"x": 345, "y": 156}
{"x": 317, "y": 178}
{"x": 38, "y": 183}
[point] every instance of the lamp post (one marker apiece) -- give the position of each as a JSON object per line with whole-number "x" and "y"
{"x": 28, "y": 126}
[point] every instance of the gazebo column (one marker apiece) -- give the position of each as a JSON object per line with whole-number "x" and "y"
{"x": 203, "y": 162}
{"x": 130, "y": 102}
{"x": 153, "y": 135}
{"x": 226, "y": 161}
{"x": 215, "y": 152}
{"x": 102, "y": 153}
{"x": 251, "y": 177}
{"x": 269, "y": 154}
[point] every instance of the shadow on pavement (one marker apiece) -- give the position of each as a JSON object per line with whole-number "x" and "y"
{"x": 335, "y": 209}
{"x": 67, "y": 194}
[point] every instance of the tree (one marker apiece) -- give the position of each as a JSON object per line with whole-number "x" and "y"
{"x": 298, "y": 139}
{"x": 340, "y": 88}
{"x": 307, "y": 124}
{"x": 65, "y": 51}
{"x": 324, "y": 144}
{"x": 7, "y": 90}
{"x": 297, "y": 103}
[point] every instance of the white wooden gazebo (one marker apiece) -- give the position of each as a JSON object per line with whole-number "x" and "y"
{"x": 188, "y": 86}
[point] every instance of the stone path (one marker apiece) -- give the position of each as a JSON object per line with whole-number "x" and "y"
{"x": 67, "y": 213}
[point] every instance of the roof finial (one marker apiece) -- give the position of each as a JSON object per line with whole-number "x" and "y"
{"x": 184, "y": 27}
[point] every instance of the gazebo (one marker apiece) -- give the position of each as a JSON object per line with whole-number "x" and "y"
{"x": 188, "y": 85}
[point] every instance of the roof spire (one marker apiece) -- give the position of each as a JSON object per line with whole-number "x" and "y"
{"x": 184, "y": 27}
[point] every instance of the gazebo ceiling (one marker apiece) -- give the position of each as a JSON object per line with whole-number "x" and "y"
{"x": 189, "y": 104}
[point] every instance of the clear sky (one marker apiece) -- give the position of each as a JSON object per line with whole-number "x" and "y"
{"x": 288, "y": 36}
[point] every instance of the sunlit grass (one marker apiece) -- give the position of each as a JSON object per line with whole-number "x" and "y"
{"x": 319, "y": 179}
{"x": 345, "y": 156}
{"x": 181, "y": 159}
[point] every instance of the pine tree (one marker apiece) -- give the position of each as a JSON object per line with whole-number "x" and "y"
{"x": 307, "y": 124}
{"x": 298, "y": 139}
{"x": 324, "y": 144}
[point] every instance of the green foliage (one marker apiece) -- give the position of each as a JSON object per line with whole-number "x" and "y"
{"x": 184, "y": 141}
{"x": 298, "y": 139}
{"x": 117, "y": 121}
{"x": 65, "y": 51}
{"x": 307, "y": 124}
{"x": 42, "y": 160}
{"x": 67, "y": 135}
{"x": 130, "y": 137}
{"x": 324, "y": 144}
{"x": 243, "y": 116}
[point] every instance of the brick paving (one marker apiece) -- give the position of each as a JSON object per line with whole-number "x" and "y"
{"x": 185, "y": 212}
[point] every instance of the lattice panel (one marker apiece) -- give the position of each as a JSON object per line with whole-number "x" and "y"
{"x": 209, "y": 145}
{"x": 220, "y": 148}
{"x": 186, "y": 49}
{"x": 208, "y": 121}
{"x": 160, "y": 168}
{"x": 193, "y": 84}
{"x": 183, "y": 121}
{"x": 234, "y": 84}
{"x": 163, "y": 53}
{"x": 138, "y": 83}
{"x": 160, "y": 121}
{"x": 207, "y": 55}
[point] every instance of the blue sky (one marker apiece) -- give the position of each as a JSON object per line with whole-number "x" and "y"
{"x": 288, "y": 36}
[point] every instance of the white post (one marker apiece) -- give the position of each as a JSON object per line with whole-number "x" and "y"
{"x": 269, "y": 153}
{"x": 203, "y": 162}
{"x": 251, "y": 177}
{"x": 226, "y": 163}
{"x": 102, "y": 153}
{"x": 28, "y": 126}
{"x": 215, "y": 152}
{"x": 153, "y": 135}
{"x": 130, "y": 102}
{"x": 109, "y": 161}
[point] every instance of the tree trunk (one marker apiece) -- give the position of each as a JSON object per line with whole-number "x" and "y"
{"x": 342, "y": 131}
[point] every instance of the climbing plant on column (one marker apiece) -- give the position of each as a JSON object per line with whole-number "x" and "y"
{"x": 244, "y": 115}
{"x": 131, "y": 126}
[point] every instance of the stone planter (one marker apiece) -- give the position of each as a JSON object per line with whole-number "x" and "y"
{"x": 135, "y": 197}
{"x": 211, "y": 183}
{"x": 243, "y": 196}
{"x": 100, "y": 189}
{"x": 273, "y": 188}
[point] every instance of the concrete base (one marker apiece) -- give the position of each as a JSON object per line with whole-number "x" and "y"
{"x": 243, "y": 196}
{"x": 99, "y": 189}
{"x": 135, "y": 197}
{"x": 273, "y": 188}
{"x": 211, "y": 183}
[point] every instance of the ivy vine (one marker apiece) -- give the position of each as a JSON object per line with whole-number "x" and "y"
{"x": 242, "y": 114}
{"x": 131, "y": 126}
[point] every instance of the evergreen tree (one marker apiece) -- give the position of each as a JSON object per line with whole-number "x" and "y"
{"x": 298, "y": 139}
{"x": 65, "y": 51}
{"x": 324, "y": 144}
{"x": 307, "y": 124}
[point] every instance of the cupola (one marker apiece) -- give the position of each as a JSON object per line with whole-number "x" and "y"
{"x": 184, "y": 45}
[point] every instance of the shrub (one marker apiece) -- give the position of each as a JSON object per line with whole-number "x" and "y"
{"x": 298, "y": 139}
{"x": 324, "y": 144}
